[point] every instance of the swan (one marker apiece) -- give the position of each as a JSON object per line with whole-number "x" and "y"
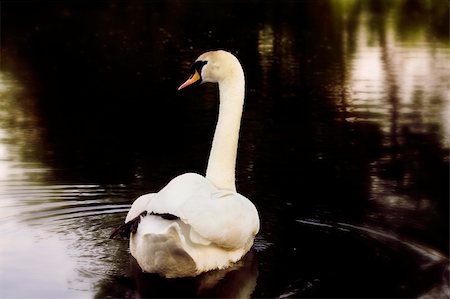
{"x": 199, "y": 223}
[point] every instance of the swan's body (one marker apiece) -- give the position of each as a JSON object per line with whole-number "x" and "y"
{"x": 195, "y": 223}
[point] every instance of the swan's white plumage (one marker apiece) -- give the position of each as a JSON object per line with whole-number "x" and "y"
{"x": 216, "y": 225}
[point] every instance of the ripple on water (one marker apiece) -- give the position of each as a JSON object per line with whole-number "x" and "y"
{"x": 67, "y": 226}
{"x": 36, "y": 202}
{"x": 426, "y": 252}
{"x": 416, "y": 260}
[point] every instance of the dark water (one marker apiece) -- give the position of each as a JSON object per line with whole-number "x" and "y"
{"x": 344, "y": 144}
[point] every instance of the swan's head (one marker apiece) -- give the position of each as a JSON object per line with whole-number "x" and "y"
{"x": 215, "y": 67}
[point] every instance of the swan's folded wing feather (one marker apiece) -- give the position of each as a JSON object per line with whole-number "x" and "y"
{"x": 228, "y": 221}
{"x": 176, "y": 193}
{"x": 139, "y": 206}
{"x": 194, "y": 237}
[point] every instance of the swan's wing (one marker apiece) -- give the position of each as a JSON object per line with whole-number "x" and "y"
{"x": 139, "y": 206}
{"x": 227, "y": 219}
{"x": 177, "y": 192}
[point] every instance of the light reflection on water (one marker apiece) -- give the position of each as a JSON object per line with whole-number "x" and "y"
{"x": 416, "y": 79}
{"x": 403, "y": 87}
{"x": 366, "y": 79}
{"x": 42, "y": 224}
{"x": 58, "y": 235}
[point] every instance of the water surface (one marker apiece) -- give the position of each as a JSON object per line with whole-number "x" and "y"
{"x": 344, "y": 143}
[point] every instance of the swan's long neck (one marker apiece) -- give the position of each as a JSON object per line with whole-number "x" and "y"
{"x": 222, "y": 159}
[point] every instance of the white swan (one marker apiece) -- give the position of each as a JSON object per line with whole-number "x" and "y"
{"x": 197, "y": 224}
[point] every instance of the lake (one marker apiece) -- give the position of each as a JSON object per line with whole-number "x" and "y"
{"x": 344, "y": 144}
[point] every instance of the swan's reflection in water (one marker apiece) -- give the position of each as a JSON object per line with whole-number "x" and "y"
{"x": 237, "y": 281}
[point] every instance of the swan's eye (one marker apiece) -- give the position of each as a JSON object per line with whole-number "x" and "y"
{"x": 197, "y": 66}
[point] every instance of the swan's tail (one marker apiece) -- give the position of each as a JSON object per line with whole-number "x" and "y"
{"x": 126, "y": 229}
{"x": 158, "y": 247}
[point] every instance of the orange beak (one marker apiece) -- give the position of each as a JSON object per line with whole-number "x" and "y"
{"x": 192, "y": 79}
